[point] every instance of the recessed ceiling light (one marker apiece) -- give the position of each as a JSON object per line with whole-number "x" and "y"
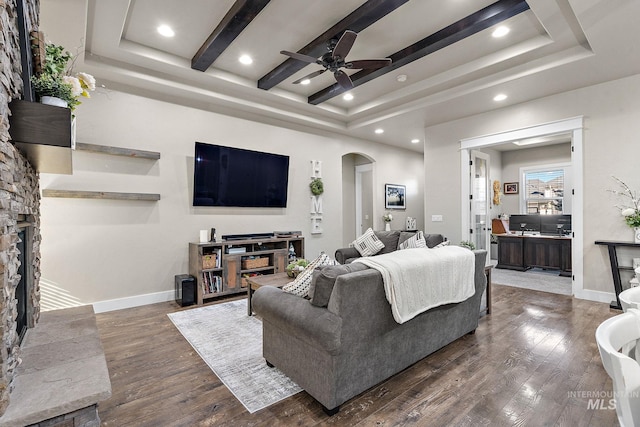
{"x": 500, "y": 97}
{"x": 415, "y": 140}
{"x": 379, "y": 131}
{"x": 347, "y": 97}
{"x": 402, "y": 78}
{"x": 305, "y": 82}
{"x": 245, "y": 59}
{"x": 166, "y": 31}
{"x": 501, "y": 31}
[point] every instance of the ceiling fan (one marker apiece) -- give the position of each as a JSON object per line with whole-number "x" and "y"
{"x": 334, "y": 60}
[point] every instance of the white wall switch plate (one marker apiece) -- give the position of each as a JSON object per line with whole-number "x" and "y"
{"x": 436, "y": 218}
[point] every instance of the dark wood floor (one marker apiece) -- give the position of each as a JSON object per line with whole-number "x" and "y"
{"x": 532, "y": 362}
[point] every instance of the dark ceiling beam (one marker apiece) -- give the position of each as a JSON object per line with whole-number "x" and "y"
{"x": 358, "y": 20}
{"x": 468, "y": 26}
{"x": 237, "y": 18}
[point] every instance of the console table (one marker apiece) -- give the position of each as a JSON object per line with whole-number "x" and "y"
{"x": 518, "y": 252}
{"x": 615, "y": 267}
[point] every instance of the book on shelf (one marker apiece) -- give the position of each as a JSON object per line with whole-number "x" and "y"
{"x": 211, "y": 283}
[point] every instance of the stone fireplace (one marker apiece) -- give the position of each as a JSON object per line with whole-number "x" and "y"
{"x": 64, "y": 352}
{"x": 19, "y": 208}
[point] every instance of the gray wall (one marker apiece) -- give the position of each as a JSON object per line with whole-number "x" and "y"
{"x": 97, "y": 250}
{"x": 611, "y": 130}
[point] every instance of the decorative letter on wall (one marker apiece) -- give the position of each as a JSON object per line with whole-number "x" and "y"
{"x": 316, "y": 199}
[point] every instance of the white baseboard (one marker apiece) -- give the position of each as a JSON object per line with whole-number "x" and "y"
{"x": 135, "y": 301}
{"x": 156, "y": 297}
{"x": 597, "y": 296}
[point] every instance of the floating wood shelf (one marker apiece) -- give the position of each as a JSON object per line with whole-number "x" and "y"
{"x": 73, "y": 194}
{"x": 118, "y": 151}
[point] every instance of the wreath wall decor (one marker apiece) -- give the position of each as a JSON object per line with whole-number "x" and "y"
{"x": 317, "y": 187}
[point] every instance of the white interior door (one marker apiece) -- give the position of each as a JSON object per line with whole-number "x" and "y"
{"x": 479, "y": 201}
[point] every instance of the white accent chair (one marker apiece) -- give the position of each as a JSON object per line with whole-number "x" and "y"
{"x": 613, "y": 334}
{"x": 630, "y": 298}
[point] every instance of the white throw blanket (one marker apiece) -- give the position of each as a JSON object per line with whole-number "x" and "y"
{"x": 416, "y": 280}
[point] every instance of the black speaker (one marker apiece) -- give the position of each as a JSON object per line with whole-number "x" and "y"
{"x": 185, "y": 290}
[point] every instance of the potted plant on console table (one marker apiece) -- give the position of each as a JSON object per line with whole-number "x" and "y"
{"x": 631, "y": 213}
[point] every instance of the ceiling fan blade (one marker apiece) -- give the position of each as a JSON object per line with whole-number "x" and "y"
{"x": 369, "y": 63}
{"x": 344, "y": 44}
{"x": 300, "y": 57}
{"x": 309, "y": 76}
{"x": 343, "y": 79}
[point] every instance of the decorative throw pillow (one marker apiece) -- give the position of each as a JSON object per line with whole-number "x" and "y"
{"x": 416, "y": 241}
{"x": 441, "y": 245}
{"x": 368, "y": 244}
{"x": 325, "y": 277}
{"x": 300, "y": 286}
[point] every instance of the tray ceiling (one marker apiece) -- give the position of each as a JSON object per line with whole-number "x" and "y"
{"x": 552, "y": 46}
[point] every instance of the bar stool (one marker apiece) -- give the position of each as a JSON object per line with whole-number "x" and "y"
{"x": 611, "y": 335}
{"x": 630, "y": 298}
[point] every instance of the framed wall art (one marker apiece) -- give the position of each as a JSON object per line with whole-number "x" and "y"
{"x": 395, "y": 196}
{"x": 510, "y": 188}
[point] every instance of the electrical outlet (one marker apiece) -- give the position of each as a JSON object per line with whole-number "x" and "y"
{"x": 436, "y": 218}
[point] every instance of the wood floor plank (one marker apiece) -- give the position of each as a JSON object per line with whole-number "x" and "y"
{"x": 527, "y": 364}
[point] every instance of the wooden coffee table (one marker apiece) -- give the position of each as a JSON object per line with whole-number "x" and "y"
{"x": 254, "y": 283}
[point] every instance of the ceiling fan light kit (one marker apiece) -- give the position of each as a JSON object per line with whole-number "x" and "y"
{"x": 335, "y": 60}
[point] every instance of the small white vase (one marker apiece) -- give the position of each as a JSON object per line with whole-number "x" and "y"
{"x": 52, "y": 100}
{"x": 387, "y": 226}
{"x": 636, "y": 235}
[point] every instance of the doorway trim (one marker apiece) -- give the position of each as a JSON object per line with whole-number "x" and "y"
{"x": 487, "y": 200}
{"x": 573, "y": 126}
{"x": 360, "y": 169}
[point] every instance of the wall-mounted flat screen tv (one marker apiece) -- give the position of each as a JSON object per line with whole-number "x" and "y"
{"x": 227, "y": 176}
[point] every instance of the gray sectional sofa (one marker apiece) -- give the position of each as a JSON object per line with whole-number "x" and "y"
{"x": 337, "y": 351}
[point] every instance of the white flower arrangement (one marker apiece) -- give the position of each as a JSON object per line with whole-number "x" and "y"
{"x": 57, "y": 78}
{"x": 631, "y": 213}
{"x": 387, "y": 217}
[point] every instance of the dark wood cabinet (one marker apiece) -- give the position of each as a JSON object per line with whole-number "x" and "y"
{"x": 524, "y": 252}
{"x": 511, "y": 253}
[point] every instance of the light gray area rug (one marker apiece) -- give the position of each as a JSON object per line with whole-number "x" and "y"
{"x": 230, "y": 342}
{"x": 535, "y": 278}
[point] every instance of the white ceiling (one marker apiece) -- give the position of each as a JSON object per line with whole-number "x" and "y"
{"x": 556, "y": 46}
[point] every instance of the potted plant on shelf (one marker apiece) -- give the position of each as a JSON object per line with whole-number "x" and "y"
{"x": 56, "y": 79}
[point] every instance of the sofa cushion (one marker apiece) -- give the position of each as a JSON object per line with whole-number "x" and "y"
{"x": 368, "y": 244}
{"x": 325, "y": 277}
{"x": 433, "y": 239}
{"x": 441, "y": 244}
{"x": 300, "y": 286}
{"x": 389, "y": 239}
{"x": 416, "y": 241}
